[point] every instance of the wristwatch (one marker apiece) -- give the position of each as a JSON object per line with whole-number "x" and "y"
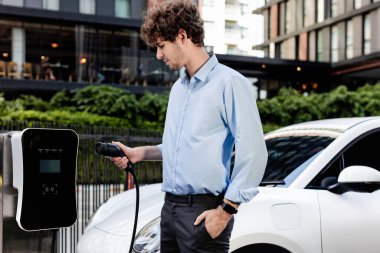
{"x": 228, "y": 208}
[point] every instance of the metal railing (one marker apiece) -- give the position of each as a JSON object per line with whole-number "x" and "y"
{"x": 97, "y": 178}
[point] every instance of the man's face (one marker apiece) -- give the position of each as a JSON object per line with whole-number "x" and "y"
{"x": 171, "y": 53}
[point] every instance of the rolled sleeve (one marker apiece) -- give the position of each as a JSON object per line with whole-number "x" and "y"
{"x": 159, "y": 146}
{"x": 240, "y": 196}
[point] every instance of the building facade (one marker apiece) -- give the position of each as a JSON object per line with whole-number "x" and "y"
{"x": 50, "y": 45}
{"x": 342, "y": 33}
{"x": 230, "y": 26}
{"x": 73, "y": 43}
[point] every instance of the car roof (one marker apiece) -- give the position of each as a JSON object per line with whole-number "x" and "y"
{"x": 338, "y": 125}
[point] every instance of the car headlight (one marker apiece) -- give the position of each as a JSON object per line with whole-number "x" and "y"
{"x": 148, "y": 239}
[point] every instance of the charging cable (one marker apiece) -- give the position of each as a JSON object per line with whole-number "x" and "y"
{"x": 112, "y": 150}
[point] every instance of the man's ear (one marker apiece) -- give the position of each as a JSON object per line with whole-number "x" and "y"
{"x": 182, "y": 35}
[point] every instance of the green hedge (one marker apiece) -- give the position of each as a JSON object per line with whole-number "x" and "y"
{"x": 114, "y": 107}
{"x": 66, "y": 117}
{"x": 291, "y": 107}
{"x": 93, "y": 105}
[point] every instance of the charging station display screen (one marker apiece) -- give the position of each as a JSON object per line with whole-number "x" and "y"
{"x": 50, "y": 166}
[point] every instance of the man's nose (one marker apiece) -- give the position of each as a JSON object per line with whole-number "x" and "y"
{"x": 159, "y": 54}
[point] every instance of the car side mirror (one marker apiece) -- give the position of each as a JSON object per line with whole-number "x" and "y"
{"x": 359, "y": 174}
{"x": 357, "y": 178}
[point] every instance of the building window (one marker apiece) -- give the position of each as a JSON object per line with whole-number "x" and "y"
{"x": 304, "y": 13}
{"x": 287, "y": 17}
{"x": 82, "y": 54}
{"x": 52, "y": 5}
{"x": 268, "y": 26}
{"x": 367, "y": 34}
{"x": 357, "y": 4}
{"x": 232, "y": 49}
{"x": 50, "y": 50}
{"x": 349, "y": 40}
{"x": 320, "y": 46}
{"x": 244, "y": 32}
{"x": 6, "y": 39}
{"x": 32, "y": 4}
{"x": 308, "y": 15}
{"x": 320, "y": 11}
{"x": 122, "y": 9}
{"x": 288, "y": 49}
{"x": 334, "y": 8}
{"x": 18, "y": 3}
{"x": 86, "y": 6}
{"x": 231, "y": 29}
{"x": 244, "y": 9}
{"x": 334, "y": 44}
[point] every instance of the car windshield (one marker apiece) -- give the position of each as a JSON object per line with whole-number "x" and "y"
{"x": 289, "y": 155}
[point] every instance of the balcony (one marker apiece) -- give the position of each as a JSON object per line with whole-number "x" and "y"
{"x": 232, "y": 12}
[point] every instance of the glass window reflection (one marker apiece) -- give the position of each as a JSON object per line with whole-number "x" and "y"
{"x": 33, "y": 4}
{"x": 86, "y": 6}
{"x": 122, "y": 9}
{"x": 52, "y": 5}
{"x": 5, "y": 41}
{"x": 83, "y": 53}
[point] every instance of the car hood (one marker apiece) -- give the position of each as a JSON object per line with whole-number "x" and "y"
{"x": 116, "y": 216}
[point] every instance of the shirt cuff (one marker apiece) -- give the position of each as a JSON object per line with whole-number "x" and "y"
{"x": 240, "y": 196}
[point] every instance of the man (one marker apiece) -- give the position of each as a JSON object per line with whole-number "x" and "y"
{"x": 211, "y": 110}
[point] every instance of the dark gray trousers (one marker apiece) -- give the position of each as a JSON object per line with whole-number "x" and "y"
{"x": 178, "y": 233}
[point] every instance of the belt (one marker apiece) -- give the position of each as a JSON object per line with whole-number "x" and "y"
{"x": 194, "y": 199}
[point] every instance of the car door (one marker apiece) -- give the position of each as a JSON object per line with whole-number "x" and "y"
{"x": 350, "y": 222}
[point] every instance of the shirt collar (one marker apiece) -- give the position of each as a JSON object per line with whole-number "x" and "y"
{"x": 202, "y": 73}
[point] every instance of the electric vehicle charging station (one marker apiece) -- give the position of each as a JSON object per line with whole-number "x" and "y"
{"x": 37, "y": 187}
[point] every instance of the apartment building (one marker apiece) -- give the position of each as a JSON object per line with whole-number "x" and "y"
{"x": 342, "y": 33}
{"x": 230, "y": 26}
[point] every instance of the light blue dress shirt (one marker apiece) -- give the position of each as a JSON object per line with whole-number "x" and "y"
{"x": 206, "y": 116}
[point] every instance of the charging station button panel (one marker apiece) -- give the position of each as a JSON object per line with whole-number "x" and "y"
{"x": 49, "y": 179}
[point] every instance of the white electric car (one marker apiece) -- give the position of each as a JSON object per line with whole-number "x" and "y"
{"x": 319, "y": 194}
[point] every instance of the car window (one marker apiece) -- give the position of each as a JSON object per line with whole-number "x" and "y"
{"x": 286, "y": 154}
{"x": 361, "y": 151}
{"x": 364, "y": 152}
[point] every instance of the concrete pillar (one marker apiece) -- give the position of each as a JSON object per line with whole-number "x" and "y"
{"x": 273, "y": 21}
{"x": 18, "y": 47}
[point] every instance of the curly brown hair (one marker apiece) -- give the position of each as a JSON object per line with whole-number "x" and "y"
{"x": 165, "y": 20}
